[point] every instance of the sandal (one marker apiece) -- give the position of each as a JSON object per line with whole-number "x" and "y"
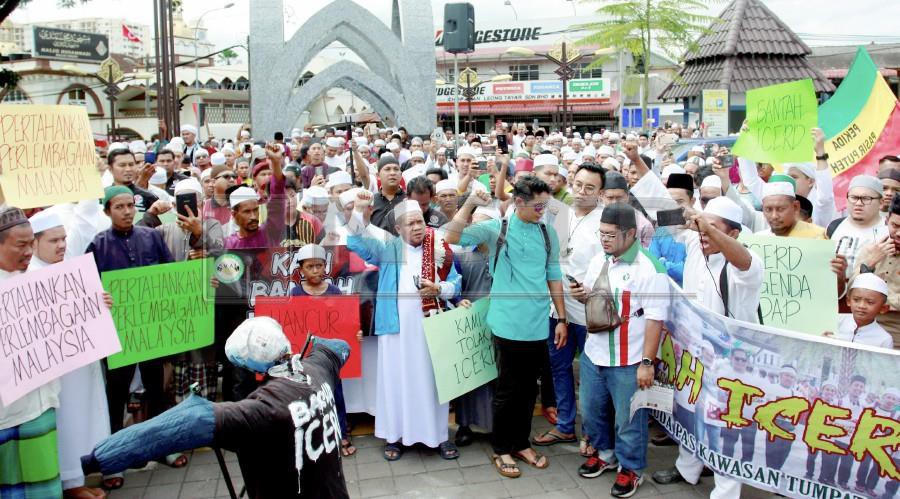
{"x": 113, "y": 482}
{"x": 177, "y": 460}
{"x": 448, "y": 451}
{"x": 506, "y": 469}
{"x": 347, "y": 448}
{"x": 585, "y": 447}
{"x": 392, "y": 452}
{"x": 551, "y": 437}
{"x": 536, "y": 462}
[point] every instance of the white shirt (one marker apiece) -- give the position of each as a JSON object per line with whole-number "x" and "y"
{"x": 851, "y": 238}
{"x": 871, "y": 334}
{"x": 638, "y": 283}
{"x": 581, "y": 245}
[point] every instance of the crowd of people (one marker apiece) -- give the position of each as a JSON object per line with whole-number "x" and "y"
{"x": 573, "y": 235}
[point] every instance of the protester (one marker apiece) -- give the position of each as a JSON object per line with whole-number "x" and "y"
{"x": 245, "y": 208}
{"x": 389, "y": 195}
{"x": 867, "y": 299}
{"x": 421, "y": 190}
{"x": 863, "y": 223}
{"x": 782, "y": 211}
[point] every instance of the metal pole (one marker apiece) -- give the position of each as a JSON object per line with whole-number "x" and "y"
{"x": 112, "y": 103}
{"x": 621, "y": 90}
{"x": 160, "y": 110}
{"x": 455, "y": 102}
{"x": 469, "y": 96}
{"x": 565, "y": 81}
{"x": 173, "y": 83}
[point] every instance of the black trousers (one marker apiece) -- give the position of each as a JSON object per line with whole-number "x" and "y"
{"x": 118, "y": 390}
{"x": 519, "y": 364}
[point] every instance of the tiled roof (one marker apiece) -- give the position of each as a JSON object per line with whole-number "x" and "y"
{"x": 747, "y": 47}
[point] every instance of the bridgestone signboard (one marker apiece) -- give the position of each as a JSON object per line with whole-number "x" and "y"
{"x": 53, "y": 43}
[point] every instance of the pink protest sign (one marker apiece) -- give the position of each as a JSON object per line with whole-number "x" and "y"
{"x": 52, "y": 321}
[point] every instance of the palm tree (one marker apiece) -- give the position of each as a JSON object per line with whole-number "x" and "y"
{"x": 227, "y": 55}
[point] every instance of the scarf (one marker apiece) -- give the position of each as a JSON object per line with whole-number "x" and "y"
{"x": 437, "y": 260}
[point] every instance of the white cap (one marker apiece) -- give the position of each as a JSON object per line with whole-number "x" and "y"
{"x": 446, "y": 185}
{"x": 205, "y": 173}
{"x": 159, "y": 177}
{"x": 228, "y": 147}
{"x": 333, "y": 142}
{"x": 379, "y": 143}
{"x": 177, "y": 142}
{"x": 778, "y": 189}
{"x": 867, "y": 280}
{"x": 393, "y": 146}
{"x": 698, "y": 149}
{"x": 117, "y": 145}
{"x": 571, "y": 156}
{"x": 670, "y": 169}
{"x": 242, "y": 194}
{"x": 545, "y": 160}
{"x": 305, "y": 135}
{"x": 867, "y": 182}
{"x": 245, "y": 134}
{"x": 417, "y": 154}
{"x": 406, "y": 207}
{"x": 257, "y": 152}
{"x": 309, "y": 251}
{"x": 606, "y": 151}
{"x": 313, "y": 196}
{"x": 362, "y": 141}
{"x": 338, "y": 178}
{"x": 349, "y": 196}
{"x": 217, "y": 159}
{"x": 630, "y": 136}
{"x": 724, "y": 208}
{"x": 488, "y": 211}
{"x": 807, "y": 169}
{"x": 189, "y": 184}
{"x": 44, "y": 220}
{"x": 189, "y": 128}
{"x": 137, "y": 146}
{"x": 711, "y": 181}
{"x": 563, "y": 172}
{"x": 611, "y": 164}
{"x": 466, "y": 150}
{"x": 614, "y": 137}
{"x": 257, "y": 344}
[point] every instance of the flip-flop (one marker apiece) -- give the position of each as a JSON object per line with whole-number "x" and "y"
{"x": 550, "y": 438}
{"x": 585, "y": 448}
{"x": 533, "y": 463}
{"x": 448, "y": 451}
{"x": 396, "y": 449}
{"x": 506, "y": 469}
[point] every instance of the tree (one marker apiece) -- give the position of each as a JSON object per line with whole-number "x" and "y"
{"x": 634, "y": 25}
{"x": 227, "y": 55}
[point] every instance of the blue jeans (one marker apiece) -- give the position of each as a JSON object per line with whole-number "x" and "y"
{"x": 606, "y": 406}
{"x": 563, "y": 375}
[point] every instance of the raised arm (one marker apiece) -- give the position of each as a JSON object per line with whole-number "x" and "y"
{"x": 455, "y": 227}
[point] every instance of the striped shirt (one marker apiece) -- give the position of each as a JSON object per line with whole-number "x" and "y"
{"x": 640, "y": 287}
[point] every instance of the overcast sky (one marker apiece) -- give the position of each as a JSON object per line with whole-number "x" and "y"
{"x": 859, "y": 21}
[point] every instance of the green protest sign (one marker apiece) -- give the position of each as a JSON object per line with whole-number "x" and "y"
{"x": 161, "y": 310}
{"x": 799, "y": 291}
{"x": 780, "y": 119}
{"x": 462, "y": 350}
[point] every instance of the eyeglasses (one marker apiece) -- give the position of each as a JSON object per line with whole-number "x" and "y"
{"x": 865, "y": 200}
{"x": 607, "y": 235}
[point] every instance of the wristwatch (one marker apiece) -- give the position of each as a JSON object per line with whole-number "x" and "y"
{"x": 564, "y": 320}
{"x": 823, "y": 157}
{"x": 645, "y": 362}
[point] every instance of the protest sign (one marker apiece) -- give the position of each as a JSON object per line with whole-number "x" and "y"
{"x": 47, "y": 155}
{"x": 53, "y": 321}
{"x": 790, "y": 413}
{"x": 715, "y": 111}
{"x": 799, "y": 290}
{"x": 462, "y": 350}
{"x": 780, "y": 119}
{"x": 161, "y": 310}
{"x": 324, "y": 316}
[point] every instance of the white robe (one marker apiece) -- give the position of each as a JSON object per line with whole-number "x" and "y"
{"x": 406, "y": 406}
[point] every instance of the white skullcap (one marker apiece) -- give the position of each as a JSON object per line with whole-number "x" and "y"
{"x": 417, "y": 154}
{"x": 670, "y": 169}
{"x": 362, "y": 147}
{"x": 576, "y": 134}
{"x": 565, "y": 150}
{"x": 563, "y": 172}
{"x": 201, "y": 152}
{"x": 217, "y": 159}
{"x": 571, "y": 156}
{"x": 393, "y": 146}
{"x": 338, "y": 178}
{"x": 614, "y": 137}
{"x": 778, "y": 189}
{"x": 190, "y": 184}
{"x": 446, "y": 185}
{"x": 867, "y": 280}
{"x": 228, "y": 147}
{"x": 630, "y": 136}
{"x": 711, "y": 181}
{"x": 257, "y": 153}
{"x": 406, "y": 207}
{"x": 788, "y": 369}
{"x": 295, "y": 133}
{"x": 588, "y": 151}
{"x": 488, "y": 211}
{"x": 137, "y": 146}
{"x": 242, "y": 194}
{"x": 159, "y": 176}
{"x": 349, "y": 196}
{"x": 606, "y": 151}
{"x": 724, "y": 208}
{"x": 379, "y": 143}
{"x": 189, "y": 128}
{"x": 605, "y": 134}
{"x": 545, "y": 160}
{"x": 245, "y": 134}
{"x": 868, "y": 182}
{"x": 310, "y": 251}
{"x": 205, "y": 173}
{"x": 442, "y": 150}
{"x": 710, "y": 161}
{"x": 694, "y": 159}
{"x": 333, "y": 142}
{"x": 807, "y": 169}
{"x": 257, "y": 344}
{"x": 466, "y": 150}
{"x": 45, "y": 220}
{"x": 611, "y": 164}
{"x": 304, "y": 135}
{"x": 117, "y": 145}
{"x": 699, "y": 149}
{"x": 314, "y": 196}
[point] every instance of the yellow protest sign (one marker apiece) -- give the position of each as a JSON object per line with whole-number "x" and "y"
{"x": 47, "y": 155}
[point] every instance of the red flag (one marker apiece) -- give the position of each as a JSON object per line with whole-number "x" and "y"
{"x": 131, "y": 37}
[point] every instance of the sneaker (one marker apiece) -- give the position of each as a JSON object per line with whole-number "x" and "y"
{"x": 627, "y": 483}
{"x": 594, "y": 467}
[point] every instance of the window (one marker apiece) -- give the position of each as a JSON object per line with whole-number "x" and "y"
{"x": 16, "y": 96}
{"x": 212, "y": 84}
{"x": 525, "y": 72}
{"x": 242, "y": 84}
{"x": 581, "y": 71}
{"x": 305, "y": 78}
{"x": 77, "y": 97}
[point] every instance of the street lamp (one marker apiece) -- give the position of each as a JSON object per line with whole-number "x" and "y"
{"x": 468, "y": 83}
{"x": 509, "y": 4}
{"x": 563, "y": 57}
{"x": 110, "y": 74}
{"x": 196, "y": 29}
